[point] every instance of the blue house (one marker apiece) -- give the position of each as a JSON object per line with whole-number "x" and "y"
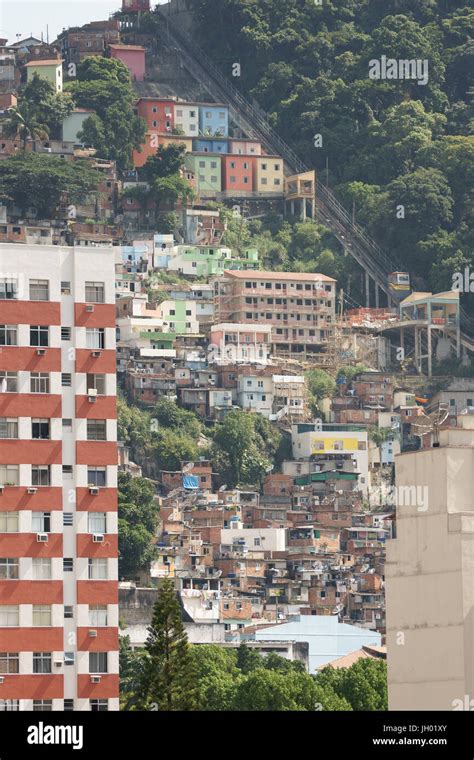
{"x": 214, "y": 119}
{"x": 210, "y": 145}
{"x": 327, "y": 638}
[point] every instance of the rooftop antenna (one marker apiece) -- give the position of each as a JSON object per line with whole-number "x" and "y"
{"x": 431, "y": 423}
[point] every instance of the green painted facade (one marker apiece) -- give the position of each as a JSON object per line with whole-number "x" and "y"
{"x": 212, "y": 261}
{"x": 207, "y": 172}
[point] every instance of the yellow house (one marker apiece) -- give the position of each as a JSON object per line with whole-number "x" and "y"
{"x": 51, "y": 70}
{"x": 269, "y": 176}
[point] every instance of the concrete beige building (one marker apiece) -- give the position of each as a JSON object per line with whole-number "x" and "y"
{"x": 430, "y": 576}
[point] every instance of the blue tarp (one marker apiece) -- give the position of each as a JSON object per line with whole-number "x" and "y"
{"x": 190, "y": 481}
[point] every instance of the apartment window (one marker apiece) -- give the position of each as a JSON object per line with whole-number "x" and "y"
{"x": 42, "y": 568}
{"x": 67, "y": 424}
{"x": 9, "y": 705}
{"x": 97, "y": 522}
{"x": 96, "y": 430}
{"x": 39, "y": 382}
{"x": 8, "y": 427}
{"x": 42, "y": 662}
{"x": 68, "y": 519}
{"x": 65, "y": 333}
{"x": 9, "y": 663}
{"x": 8, "y": 335}
{"x": 8, "y": 289}
{"x": 68, "y": 612}
{"x": 41, "y": 522}
{"x": 361, "y": 446}
{"x": 39, "y": 335}
{"x": 256, "y": 542}
{"x": 8, "y": 382}
{"x": 98, "y": 662}
{"x": 68, "y": 705}
{"x": 98, "y": 569}
{"x": 9, "y": 569}
{"x": 95, "y": 337}
{"x": 42, "y": 705}
{"x": 40, "y": 428}
{"x": 66, "y": 379}
{"x": 99, "y": 705}
{"x": 65, "y": 288}
{"x": 39, "y": 290}
{"x": 40, "y": 475}
{"x": 69, "y": 658}
{"x": 469, "y": 402}
{"x": 67, "y": 470}
{"x": 95, "y": 292}
{"x": 42, "y": 615}
{"x": 98, "y": 615}
{"x": 96, "y": 476}
{"x": 9, "y": 522}
{"x": 9, "y": 615}
{"x": 68, "y": 564}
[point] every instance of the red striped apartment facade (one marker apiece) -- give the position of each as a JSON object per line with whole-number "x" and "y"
{"x": 58, "y": 479}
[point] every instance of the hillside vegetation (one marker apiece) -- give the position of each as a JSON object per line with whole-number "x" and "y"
{"x": 388, "y": 143}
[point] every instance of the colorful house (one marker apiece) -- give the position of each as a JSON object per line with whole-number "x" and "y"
{"x": 186, "y": 117}
{"x": 237, "y": 173}
{"x": 207, "y": 172}
{"x": 72, "y": 124}
{"x": 158, "y": 113}
{"x": 214, "y": 119}
{"x": 211, "y": 145}
{"x": 269, "y": 174}
{"x": 245, "y": 147}
{"x": 51, "y": 70}
{"x": 133, "y": 56}
{"x": 153, "y": 141}
{"x": 180, "y": 316}
{"x": 207, "y": 261}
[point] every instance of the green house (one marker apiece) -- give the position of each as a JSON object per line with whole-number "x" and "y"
{"x": 207, "y": 172}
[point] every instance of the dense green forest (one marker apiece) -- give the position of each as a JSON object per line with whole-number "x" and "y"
{"x": 386, "y": 143}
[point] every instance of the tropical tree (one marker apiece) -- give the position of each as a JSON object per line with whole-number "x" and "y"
{"x": 25, "y": 125}
{"x": 169, "y": 681}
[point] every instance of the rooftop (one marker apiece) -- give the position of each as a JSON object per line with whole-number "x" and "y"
{"x": 289, "y": 276}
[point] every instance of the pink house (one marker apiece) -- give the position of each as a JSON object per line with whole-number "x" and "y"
{"x": 133, "y": 56}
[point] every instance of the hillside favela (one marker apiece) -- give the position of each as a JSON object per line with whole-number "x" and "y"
{"x": 237, "y": 358}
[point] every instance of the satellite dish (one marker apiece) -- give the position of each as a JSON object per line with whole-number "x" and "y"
{"x": 431, "y": 423}
{"x": 187, "y": 467}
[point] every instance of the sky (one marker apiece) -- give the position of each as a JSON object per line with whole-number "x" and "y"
{"x": 32, "y": 17}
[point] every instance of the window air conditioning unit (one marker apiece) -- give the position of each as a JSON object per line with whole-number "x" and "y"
{"x": 92, "y": 395}
{"x": 93, "y": 634}
{"x": 42, "y": 538}
{"x": 58, "y": 663}
{"x": 98, "y": 538}
{"x": 94, "y": 490}
{"x": 32, "y": 489}
{"x": 95, "y": 679}
{"x": 2, "y": 679}
{"x": 89, "y": 308}
{"x": 2, "y": 488}
{"x": 96, "y": 354}
{"x": 40, "y": 351}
